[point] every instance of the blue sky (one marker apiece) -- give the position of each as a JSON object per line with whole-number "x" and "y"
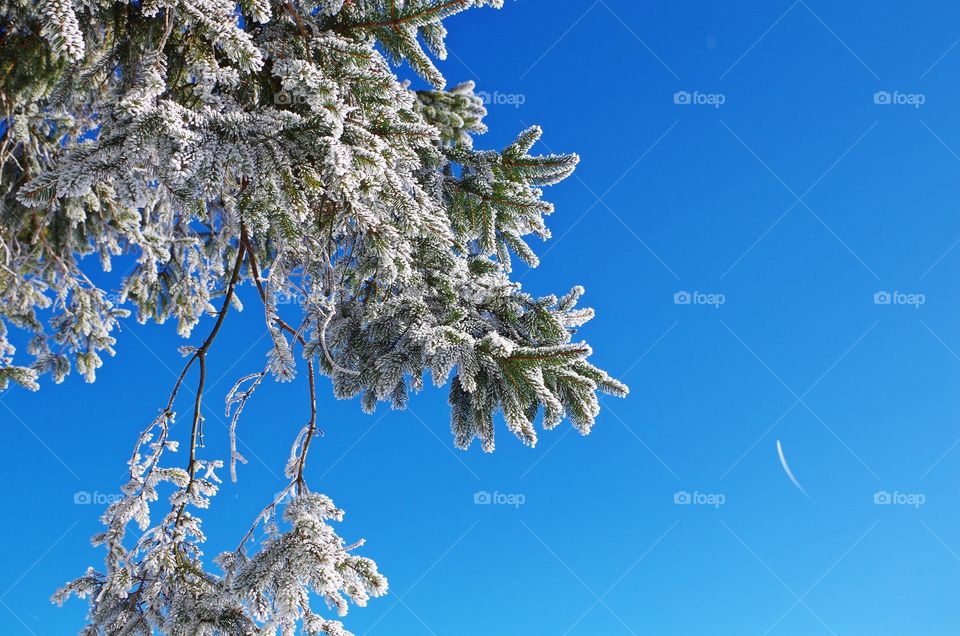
{"x": 781, "y": 213}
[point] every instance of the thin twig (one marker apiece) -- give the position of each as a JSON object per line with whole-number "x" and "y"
{"x": 200, "y": 356}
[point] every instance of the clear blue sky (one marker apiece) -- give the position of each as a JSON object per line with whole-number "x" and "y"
{"x": 798, "y": 199}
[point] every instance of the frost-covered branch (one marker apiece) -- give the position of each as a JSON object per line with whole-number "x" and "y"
{"x": 208, "y": 144}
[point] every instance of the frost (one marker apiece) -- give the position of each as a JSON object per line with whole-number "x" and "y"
{"x": 271, "y": 146}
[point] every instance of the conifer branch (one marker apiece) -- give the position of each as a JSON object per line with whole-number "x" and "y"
{"x": 367, "y": 201}
{"x": 425, "y": 15}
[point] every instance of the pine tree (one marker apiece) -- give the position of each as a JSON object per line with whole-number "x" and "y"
{"x": 268, "y": 143}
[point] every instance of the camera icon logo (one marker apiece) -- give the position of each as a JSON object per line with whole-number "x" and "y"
{"x": 681, "y": 497}
{"x": 882, "y": 97}
{"x": 682, "y": 298}
{"x": 681, "y": 97}
{"x": 882, "y": 497}
{"x": 881, "y": 298}
{"x": 82, "y": 497}
{"x": 482, "y": 497}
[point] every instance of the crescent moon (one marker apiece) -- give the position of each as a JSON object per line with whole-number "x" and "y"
{"x": 786, "y": 469}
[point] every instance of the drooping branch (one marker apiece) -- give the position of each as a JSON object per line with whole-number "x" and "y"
{"x": 401, "y": 232}
{"x": 200, "y": 355}
{"x": 298, "y": 337}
